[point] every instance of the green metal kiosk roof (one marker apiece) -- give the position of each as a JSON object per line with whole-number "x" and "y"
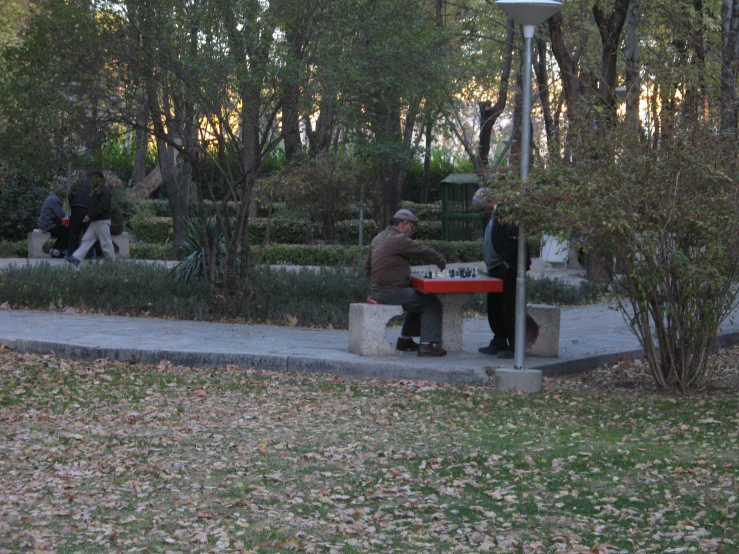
{"x": 461, "y": 178}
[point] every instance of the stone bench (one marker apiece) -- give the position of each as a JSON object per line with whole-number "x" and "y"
{"x": 542, "y": 327}
{"x": 368, "y": 327}
{"x": 37, "y": 238}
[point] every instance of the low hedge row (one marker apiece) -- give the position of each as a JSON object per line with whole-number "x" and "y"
{"x": 160, "y": 208}
{"x": 338, "y": 255}
{"x": 307, "y": 298}
{"x": 319, "y": 255}
{"x": 283, "y": 231}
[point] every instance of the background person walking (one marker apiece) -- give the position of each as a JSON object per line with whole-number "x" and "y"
{"x": 98, "y": 217}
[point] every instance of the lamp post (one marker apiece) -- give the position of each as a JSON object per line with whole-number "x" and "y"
{"x": 529, "y": 14}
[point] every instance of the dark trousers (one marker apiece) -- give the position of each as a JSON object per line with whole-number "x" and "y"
{"x": 496, "y": 311}
{"x": 76, "y": 227}
{"x": 61, "y": 234}
{"x": 502, "y": 308}
{"x": 509, "y": 306}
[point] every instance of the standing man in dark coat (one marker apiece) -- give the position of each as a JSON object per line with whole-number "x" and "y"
{"x": 79, "y": 203}
{"x": 389, "y": 269}
{"x": 500, "y": 251}
{"x": 50, "y": 220}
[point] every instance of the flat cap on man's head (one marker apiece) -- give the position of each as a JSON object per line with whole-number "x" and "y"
{"x": 405, "y": 215}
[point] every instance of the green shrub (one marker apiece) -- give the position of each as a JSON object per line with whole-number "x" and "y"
{"x": 425, "y": 212}
{"x": 148, "y": 251}
{"x": 17, "y": 249}
{"x": 306, "y": 298}
{"x": 128, "y": 207}
{"x": 114, "y": 288}
{"x": 196, "y": 264}
{"x": 305, "y": 254}
{"x": 21, "y": 197}
{"x": 151, "y": 229}
{"x": 347, "y": 232}
{"x": 282, "y": 231}
{"x": 159, "y": 207}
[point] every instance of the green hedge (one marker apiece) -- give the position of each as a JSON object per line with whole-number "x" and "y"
{"x": 306, "y": 297}
{"x": 282, "y": 231}
{"x": 17, "y": 249}
{"x": 151, "y": 229}
{"x": 305, "y": 254}
{"x": 429, "y": 212}
{"x": 330, "y": 255}
{"x": 149, "y": 251}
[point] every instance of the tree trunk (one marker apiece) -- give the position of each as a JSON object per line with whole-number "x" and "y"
{"x": 489, "y": 113}
{"x": 147, "y": 185}
{"x": 729, "y": 67}
{"x": 142, "y": 144}
{"x": 291, "y": 100}
{"x": 542, "y": 81}
{"x": 428, "y": 129}
{"x": 631, "y": 57}
{"x": 610, "y": 28}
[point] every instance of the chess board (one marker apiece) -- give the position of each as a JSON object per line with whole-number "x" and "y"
{"x": 455, "y": 284}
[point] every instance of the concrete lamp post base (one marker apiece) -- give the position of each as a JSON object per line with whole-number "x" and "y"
{"x": 525, "y": 380}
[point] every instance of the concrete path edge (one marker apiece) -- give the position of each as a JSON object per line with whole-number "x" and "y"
{"x": 281, "y": 363}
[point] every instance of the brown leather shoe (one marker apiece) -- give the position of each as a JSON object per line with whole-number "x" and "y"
{"x": 430, "y": 350}
{"x": 406, "y": 345}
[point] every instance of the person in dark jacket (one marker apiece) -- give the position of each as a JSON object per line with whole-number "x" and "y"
{"x": 50, "y": 220}
{"x": 79, "y": 204}
{"x": 98, "y": 216}
{"x": 388, "y": 267}
{"x": 500, "y": 252}
{"x": 484, "y": 202}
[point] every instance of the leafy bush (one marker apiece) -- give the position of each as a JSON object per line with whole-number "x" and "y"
{"x": 151, "y": 229}
{"x": 282, "y": 231}
{"x": 323, "y": 189}
{"x": 443, "y": 162}
{"x": 666, "y": 215}
{"x": 148, "y": 251}
{"x": 21, "y": 197}
{"x": 306, "y": 254}
{"x": 18, "y": 249}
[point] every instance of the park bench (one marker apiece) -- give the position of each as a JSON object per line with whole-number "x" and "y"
{"x": 37, "y": 238}
{"x": 368, "y": 328}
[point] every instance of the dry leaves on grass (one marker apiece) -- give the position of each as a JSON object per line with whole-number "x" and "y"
{"x": 112, "y": 457}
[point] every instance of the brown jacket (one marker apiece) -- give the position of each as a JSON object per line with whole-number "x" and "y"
{"x": 388, "y": 263}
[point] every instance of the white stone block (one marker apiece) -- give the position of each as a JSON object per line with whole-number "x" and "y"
{"x": 123, "y": 246}
{"x": 547, "y": 319}
{"x": 368, "y": 327}
{"x": 452, "y": 319}
{"x": 36, "y": 240}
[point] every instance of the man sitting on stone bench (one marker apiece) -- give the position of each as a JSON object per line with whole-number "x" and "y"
{"x": 50, "y": 220}
{"x": 389, "y": 269}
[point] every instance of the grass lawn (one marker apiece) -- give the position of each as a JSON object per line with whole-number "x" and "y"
{"x": 110, "y": 457}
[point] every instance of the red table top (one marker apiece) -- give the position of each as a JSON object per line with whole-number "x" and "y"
{"x": 476, "y": 284}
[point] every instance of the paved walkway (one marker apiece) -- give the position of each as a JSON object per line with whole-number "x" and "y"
{"x": 589, "y": 337}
